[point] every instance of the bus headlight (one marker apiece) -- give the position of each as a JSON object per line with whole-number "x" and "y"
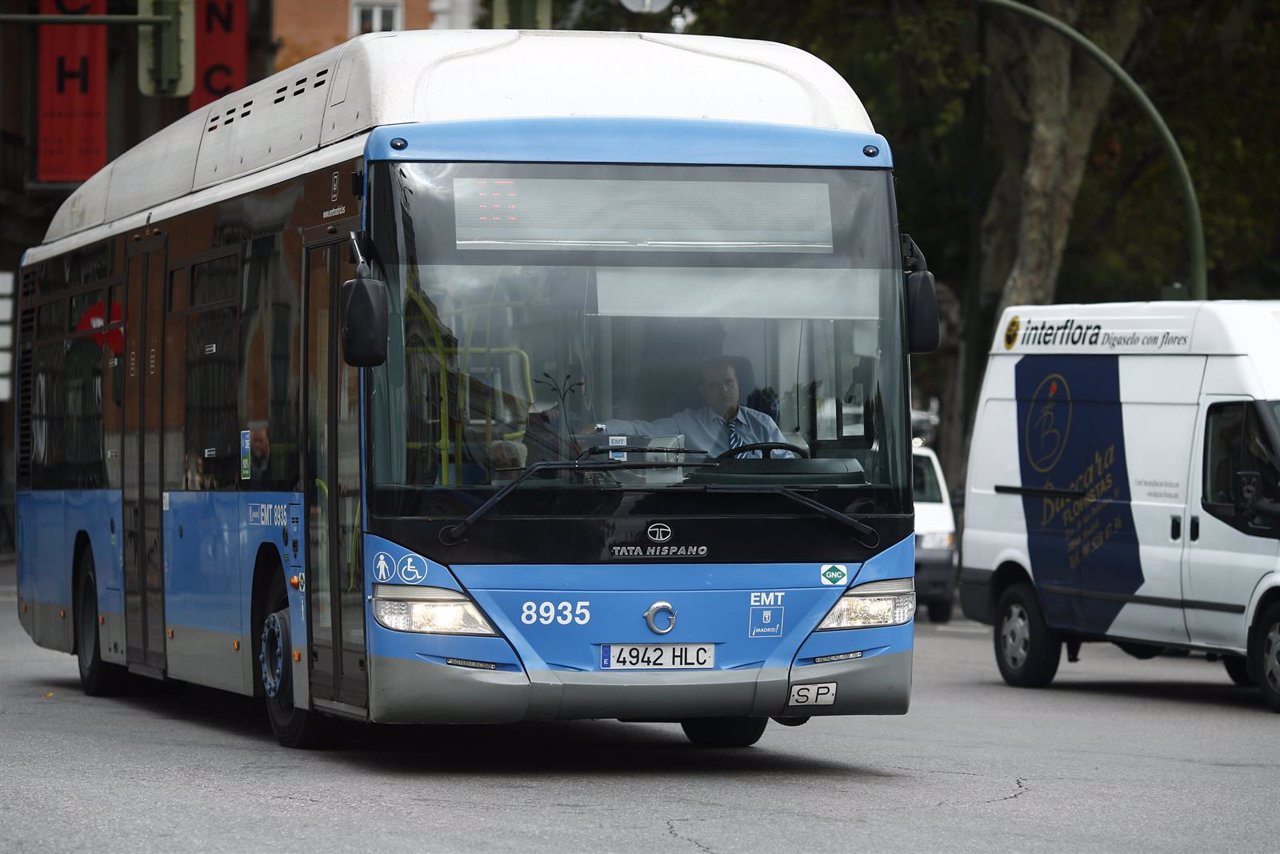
{"x": 880, "y": 603}
{"x": 431, "y": 610}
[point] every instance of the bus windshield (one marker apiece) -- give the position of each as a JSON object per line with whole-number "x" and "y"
{"x": 648, "y": 315}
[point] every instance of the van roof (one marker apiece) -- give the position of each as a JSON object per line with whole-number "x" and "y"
{"x": 1215, "y": 327}
{"x": 455, "y": 75}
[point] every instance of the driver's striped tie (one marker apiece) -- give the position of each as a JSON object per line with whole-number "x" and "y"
{"x": 735, "y": 441}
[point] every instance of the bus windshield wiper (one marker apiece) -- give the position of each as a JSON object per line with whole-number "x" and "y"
{"x": 454, "y": 534}
{"x": 868, "y": 536}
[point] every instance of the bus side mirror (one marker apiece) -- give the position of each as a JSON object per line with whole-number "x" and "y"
{"x": 364, "y": 322}
{"x": 922, "y": 312}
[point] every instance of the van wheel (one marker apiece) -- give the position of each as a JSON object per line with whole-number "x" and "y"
{"x": 724, "y": 732}
{"x": 97, "y": 677}
{"x": 1027, "y": 650}
{"x": 940, "y": 612}
{"x": 1266, "y": 652}
{"x": 1238, "y": 669}
{"x": 293, "y": 727}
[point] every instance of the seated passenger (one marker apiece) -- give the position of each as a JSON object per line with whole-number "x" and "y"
{"x": 719, "y": 425}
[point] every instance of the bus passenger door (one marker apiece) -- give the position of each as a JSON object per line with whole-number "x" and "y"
{"x": 334, "y": 513}
{"x": 141, "y": 471}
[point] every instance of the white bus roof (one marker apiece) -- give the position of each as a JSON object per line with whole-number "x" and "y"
{"x": 1227, "y": 327}
{"x": 440, "y": 76}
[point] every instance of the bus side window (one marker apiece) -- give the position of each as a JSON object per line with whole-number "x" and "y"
{"x": 212, "y": 458}
{"x": 175, "y": 382}
{"x": 269, "y": 370}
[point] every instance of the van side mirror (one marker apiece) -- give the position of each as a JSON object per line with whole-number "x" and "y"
{"x": 923, "y": 335}
{"x": 364, "y": 305}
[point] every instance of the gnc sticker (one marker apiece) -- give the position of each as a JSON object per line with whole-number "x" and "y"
{"x": 834, "y": 574}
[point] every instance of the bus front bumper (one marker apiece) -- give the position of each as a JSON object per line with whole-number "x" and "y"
{"x": 413, "y": 692}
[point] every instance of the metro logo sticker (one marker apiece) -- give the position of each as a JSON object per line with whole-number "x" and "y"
{"x": 833, "y": 574}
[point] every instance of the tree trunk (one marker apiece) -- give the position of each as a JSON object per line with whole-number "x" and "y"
{"x": 1045, "y": 99}
{"x": 1066, "y": 92}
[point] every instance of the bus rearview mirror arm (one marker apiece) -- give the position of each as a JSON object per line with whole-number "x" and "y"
{"x": 923, "y": 334}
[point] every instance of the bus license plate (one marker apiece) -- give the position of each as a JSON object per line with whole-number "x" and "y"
{"x": 657, "y": 656}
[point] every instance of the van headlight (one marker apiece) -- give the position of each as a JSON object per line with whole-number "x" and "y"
{"x": 880, "y": 603}
{"x": 430, "y": 610}
{"x": 937, "y": 540}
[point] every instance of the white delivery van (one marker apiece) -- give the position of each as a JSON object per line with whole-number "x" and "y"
{"x": 1122, "y": 486}
{"x": 936, "y": 564}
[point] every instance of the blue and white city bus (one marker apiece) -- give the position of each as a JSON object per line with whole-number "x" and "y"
{"x": 399, "y": 387}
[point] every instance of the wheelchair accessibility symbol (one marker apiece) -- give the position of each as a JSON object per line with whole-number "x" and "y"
{"x": 411, "y": 569}
{"x": 384, "y": 567}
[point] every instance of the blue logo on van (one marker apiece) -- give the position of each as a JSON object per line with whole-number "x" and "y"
{"x": 1080, "y": 530}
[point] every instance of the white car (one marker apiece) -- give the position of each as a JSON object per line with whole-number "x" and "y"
{"x": 937, "y": 567}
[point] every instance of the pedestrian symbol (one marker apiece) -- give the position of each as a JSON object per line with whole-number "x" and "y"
{"x": 384, "y": 568}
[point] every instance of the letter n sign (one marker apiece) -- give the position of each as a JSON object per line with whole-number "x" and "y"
{"x": 222, "y": 49}
{"x": 72, "y": 77}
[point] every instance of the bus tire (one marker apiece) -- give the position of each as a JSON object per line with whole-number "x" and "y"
{"x": 1027, "y": 650}
{"x": 1266, "y": 651}
{"x": 1238, "y": 669}
{"x": 292, "y": 727}
{"x": 97, "y": 677}
{"x": 724, "y": 732}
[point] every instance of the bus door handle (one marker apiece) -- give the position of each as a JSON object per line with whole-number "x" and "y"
{"x": 1195, "y": 528}
{"x": 1175, "y": 529}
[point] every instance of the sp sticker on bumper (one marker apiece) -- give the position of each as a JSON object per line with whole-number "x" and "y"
{"x": 818, "y": 694}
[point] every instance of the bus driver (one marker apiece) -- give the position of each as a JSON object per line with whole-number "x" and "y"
{"x": 720, "y": 424}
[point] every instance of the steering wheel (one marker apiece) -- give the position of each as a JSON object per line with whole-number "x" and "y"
{"x": 763, "y": 446}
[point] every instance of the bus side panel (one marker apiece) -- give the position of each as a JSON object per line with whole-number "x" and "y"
{"x": 204, "y": 589}
{"x": 94, "y": 512}
{"x": 26, "y": 574}
{"x": 46, "y": 559}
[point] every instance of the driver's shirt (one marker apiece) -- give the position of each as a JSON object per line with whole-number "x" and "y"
{"x": 705, "y": 430}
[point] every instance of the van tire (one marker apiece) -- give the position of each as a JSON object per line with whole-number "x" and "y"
{"x": 940, "y": 612}
{"x": 1266, "y": 651}
{"x": 1027, "y": 650}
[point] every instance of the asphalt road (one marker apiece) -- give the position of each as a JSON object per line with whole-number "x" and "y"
{"x": 1119, "y": 755}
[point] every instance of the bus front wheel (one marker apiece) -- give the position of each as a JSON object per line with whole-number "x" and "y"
{"x": 293, "y": 727}
{"x": 724, "y": 732}
{"x": 97, "y": 677}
